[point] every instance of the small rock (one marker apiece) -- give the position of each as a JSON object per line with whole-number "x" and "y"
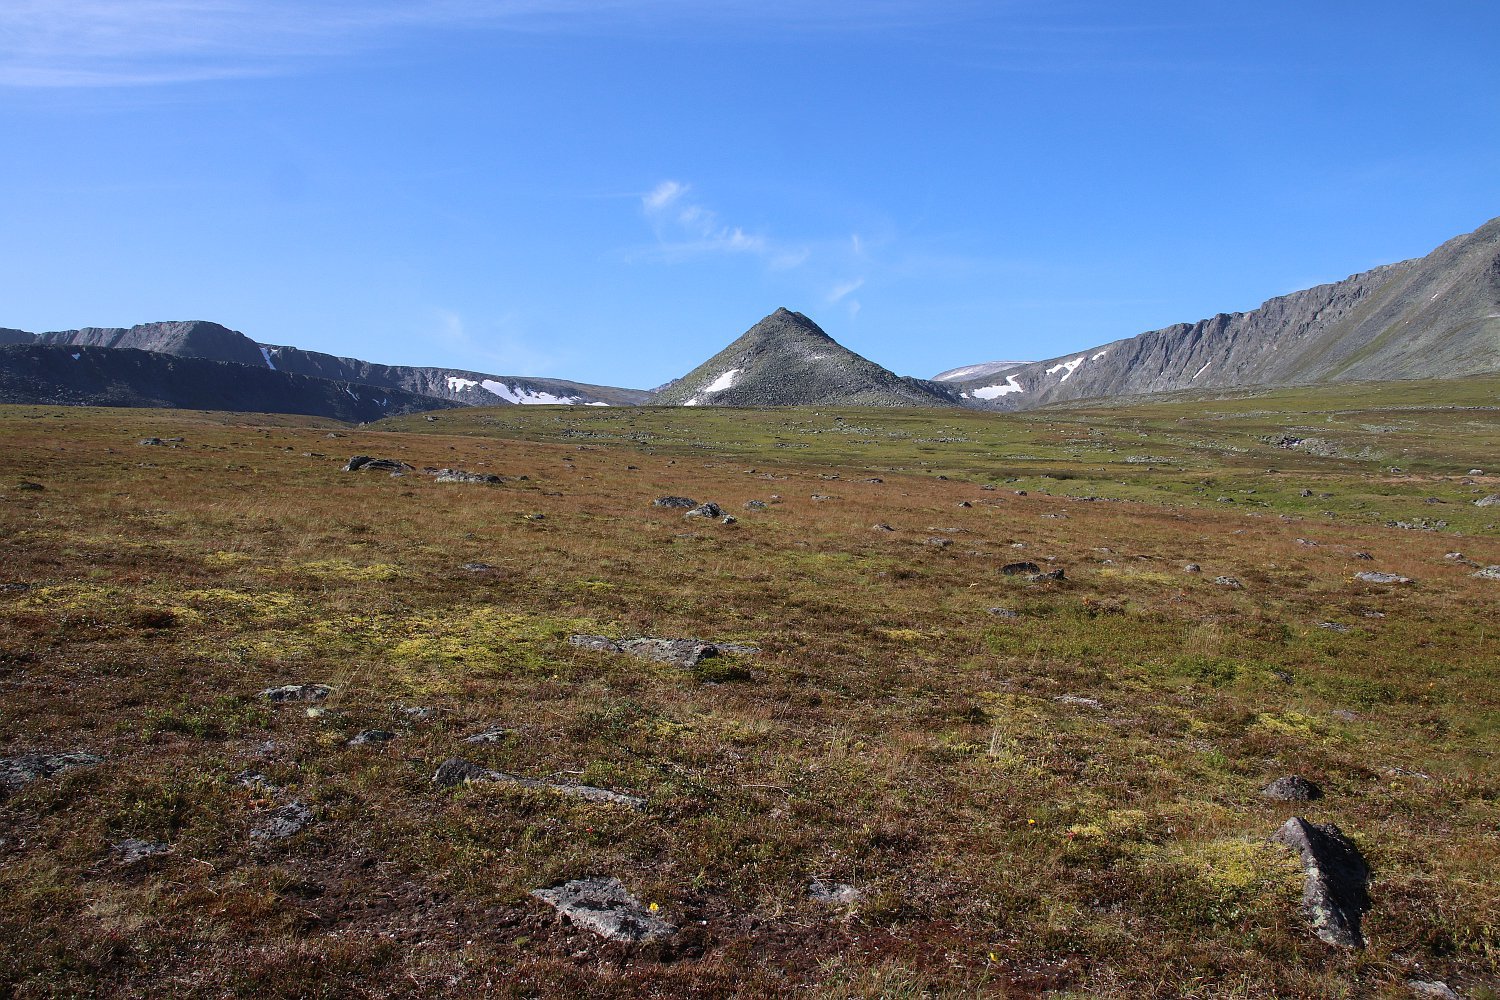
{"x": 709, "y": 510}
{"x": 30, "y": 486}
{"x": 1374, "y": 577}
{"x": 419, "y": 713}
{"x": 682, "y": 503}
{"x": 941, "y": 543}
{"x": 729, "y": 519}
{"x": 1365, "y": 556}
{"x": 367, "y": 464}
{"x": 1307, "y": 542}
{"x": 964, "y": 503}
{"x": 130, "y": 850}
{"x": 149, "y": 442}
{"x": 1020, "y": 569}
{"x": 757, "y": 505}
{"x": 595, "y": 642}
{"x": 1489, "y": 573}
{"x": 822, "y": 496}
{"x": 1004, "y": 613}
{"x": 459, "y": 476}
{"x": 491, "y": 734}
{"x": 605, "y": 907}
{"x": 1292, "y": 788}
{"x": 1492, "y": 500}
{"x": 1192, "y": 568}
{"x": 1335, "y": 895}
{"x": 1055, "y": 574}
{"x": 881, "y": 527}
{"x": 1079, "y": 701}
{"x": 535, "y": 517}
{"x": 283, "y": 822}
{"x": 1305, "y": 493}
{"x": 833, "y": 893}
{"x": 372, "y": 737}
{"x": 456, "y": 771}
{"x": 297, "y": 692}
{"x": 477, "y": 567}
{"x": 1334, "y": 626}
{"x": 254, "y": 780}
{"x": 1432, "y": 988}
{"x": 1020, "y": 493}
{"x": 1228, "y": 581}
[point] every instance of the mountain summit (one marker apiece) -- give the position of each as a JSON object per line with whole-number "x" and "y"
{"x": 787, "y": 360}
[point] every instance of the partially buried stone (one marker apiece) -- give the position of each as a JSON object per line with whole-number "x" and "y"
{"x": 130, "y": 850}
{"x": 757, "y": 505}
{"x": 477, "y": 567}
{"x": 709, "y": 510}
{"x": 1192, "y": 568}
{"x": 941, "y": 543}
{"x": 18, "y": 771}
{"x": 1373, "y": 577}
{"x": 1292, "y": 788}
{"x": 297, "y": 692}
{"x": 1020, "y": 569}
{"x": 1489, "y": 573}
{"x": 682, "y": 503}
{"x": 833, "y": 893}
{"x": 491, "y": 734}
{"x": 1335, "y": 895}
{"x": 1227, "y": 581}
{"x": 372, "y": 738}
{"x": 283, "y": 822}
{"x": 605, "y": 907}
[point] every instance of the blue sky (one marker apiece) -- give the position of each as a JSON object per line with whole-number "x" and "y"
{"x": 611, "y": 190}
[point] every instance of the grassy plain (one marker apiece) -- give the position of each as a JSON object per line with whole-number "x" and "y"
{"x": 1064, "y": 800}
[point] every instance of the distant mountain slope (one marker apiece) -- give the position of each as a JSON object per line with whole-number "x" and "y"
{"x": 786, "y": 360}
{"x": 969, "y": 373}
{"x": 1434, "y": 317}
{"x": 109, "y": 376}
{"x": 201, "y": 339}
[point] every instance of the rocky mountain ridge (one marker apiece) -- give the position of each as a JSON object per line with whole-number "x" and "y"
{"x": 1432, "y": 317}
{"x": 87, "y": 375}
{"x": 211, "y": 341}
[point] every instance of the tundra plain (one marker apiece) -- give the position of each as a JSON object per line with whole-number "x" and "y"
{"x": 1031, "y": 786}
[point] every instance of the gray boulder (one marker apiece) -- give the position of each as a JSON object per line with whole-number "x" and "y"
{"x": 1335, "y": 895}
{"x": 1020, "y": 569}
{"x": 710, "y": 510}
{"x": 678, "y": 652}
{"x": 1493, "y": 500}
{"x": 680, "y": 503}
{"x": 130, "y": 850}
{"x": 1489, "y": 573}
{"x": 605, "y": 907}
{"x": 372, "y": 738}
{"x": 1292, "y": 788}
{"x": 365, "y": 463}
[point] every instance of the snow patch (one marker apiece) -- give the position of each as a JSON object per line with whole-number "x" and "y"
{"x": 265, "y": 352}
{"x": 1098, "y": 356}
{"x": 691, "y": 402}
{"x": 1200, "y": 371}
{"x": 723, "y": 381}
{"x": 76, "y": 355}
{"x": 1071, "y": 367}
{"x": 351, "y": 393}
{"x": 524, "y": 396}
{"x": 968, "y": 372}
{"x": 456, "y": 384}
{"x": 1009, "y": 386}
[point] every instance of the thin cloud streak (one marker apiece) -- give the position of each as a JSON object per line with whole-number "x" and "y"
{"x": 101, "y": 43}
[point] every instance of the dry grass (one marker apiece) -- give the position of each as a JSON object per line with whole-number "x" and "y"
{"x": 893, "y": 733}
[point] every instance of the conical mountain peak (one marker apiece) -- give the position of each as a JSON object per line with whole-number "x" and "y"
{"x": 788, "y": 360}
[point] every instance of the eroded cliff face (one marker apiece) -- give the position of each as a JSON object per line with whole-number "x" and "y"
{"x": 1435, "y": 317}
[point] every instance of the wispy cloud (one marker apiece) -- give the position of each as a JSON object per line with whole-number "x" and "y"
{"x": 687, "y": 228}
{"x": 91, "y": 43}
{"x": 845, "y": 288}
